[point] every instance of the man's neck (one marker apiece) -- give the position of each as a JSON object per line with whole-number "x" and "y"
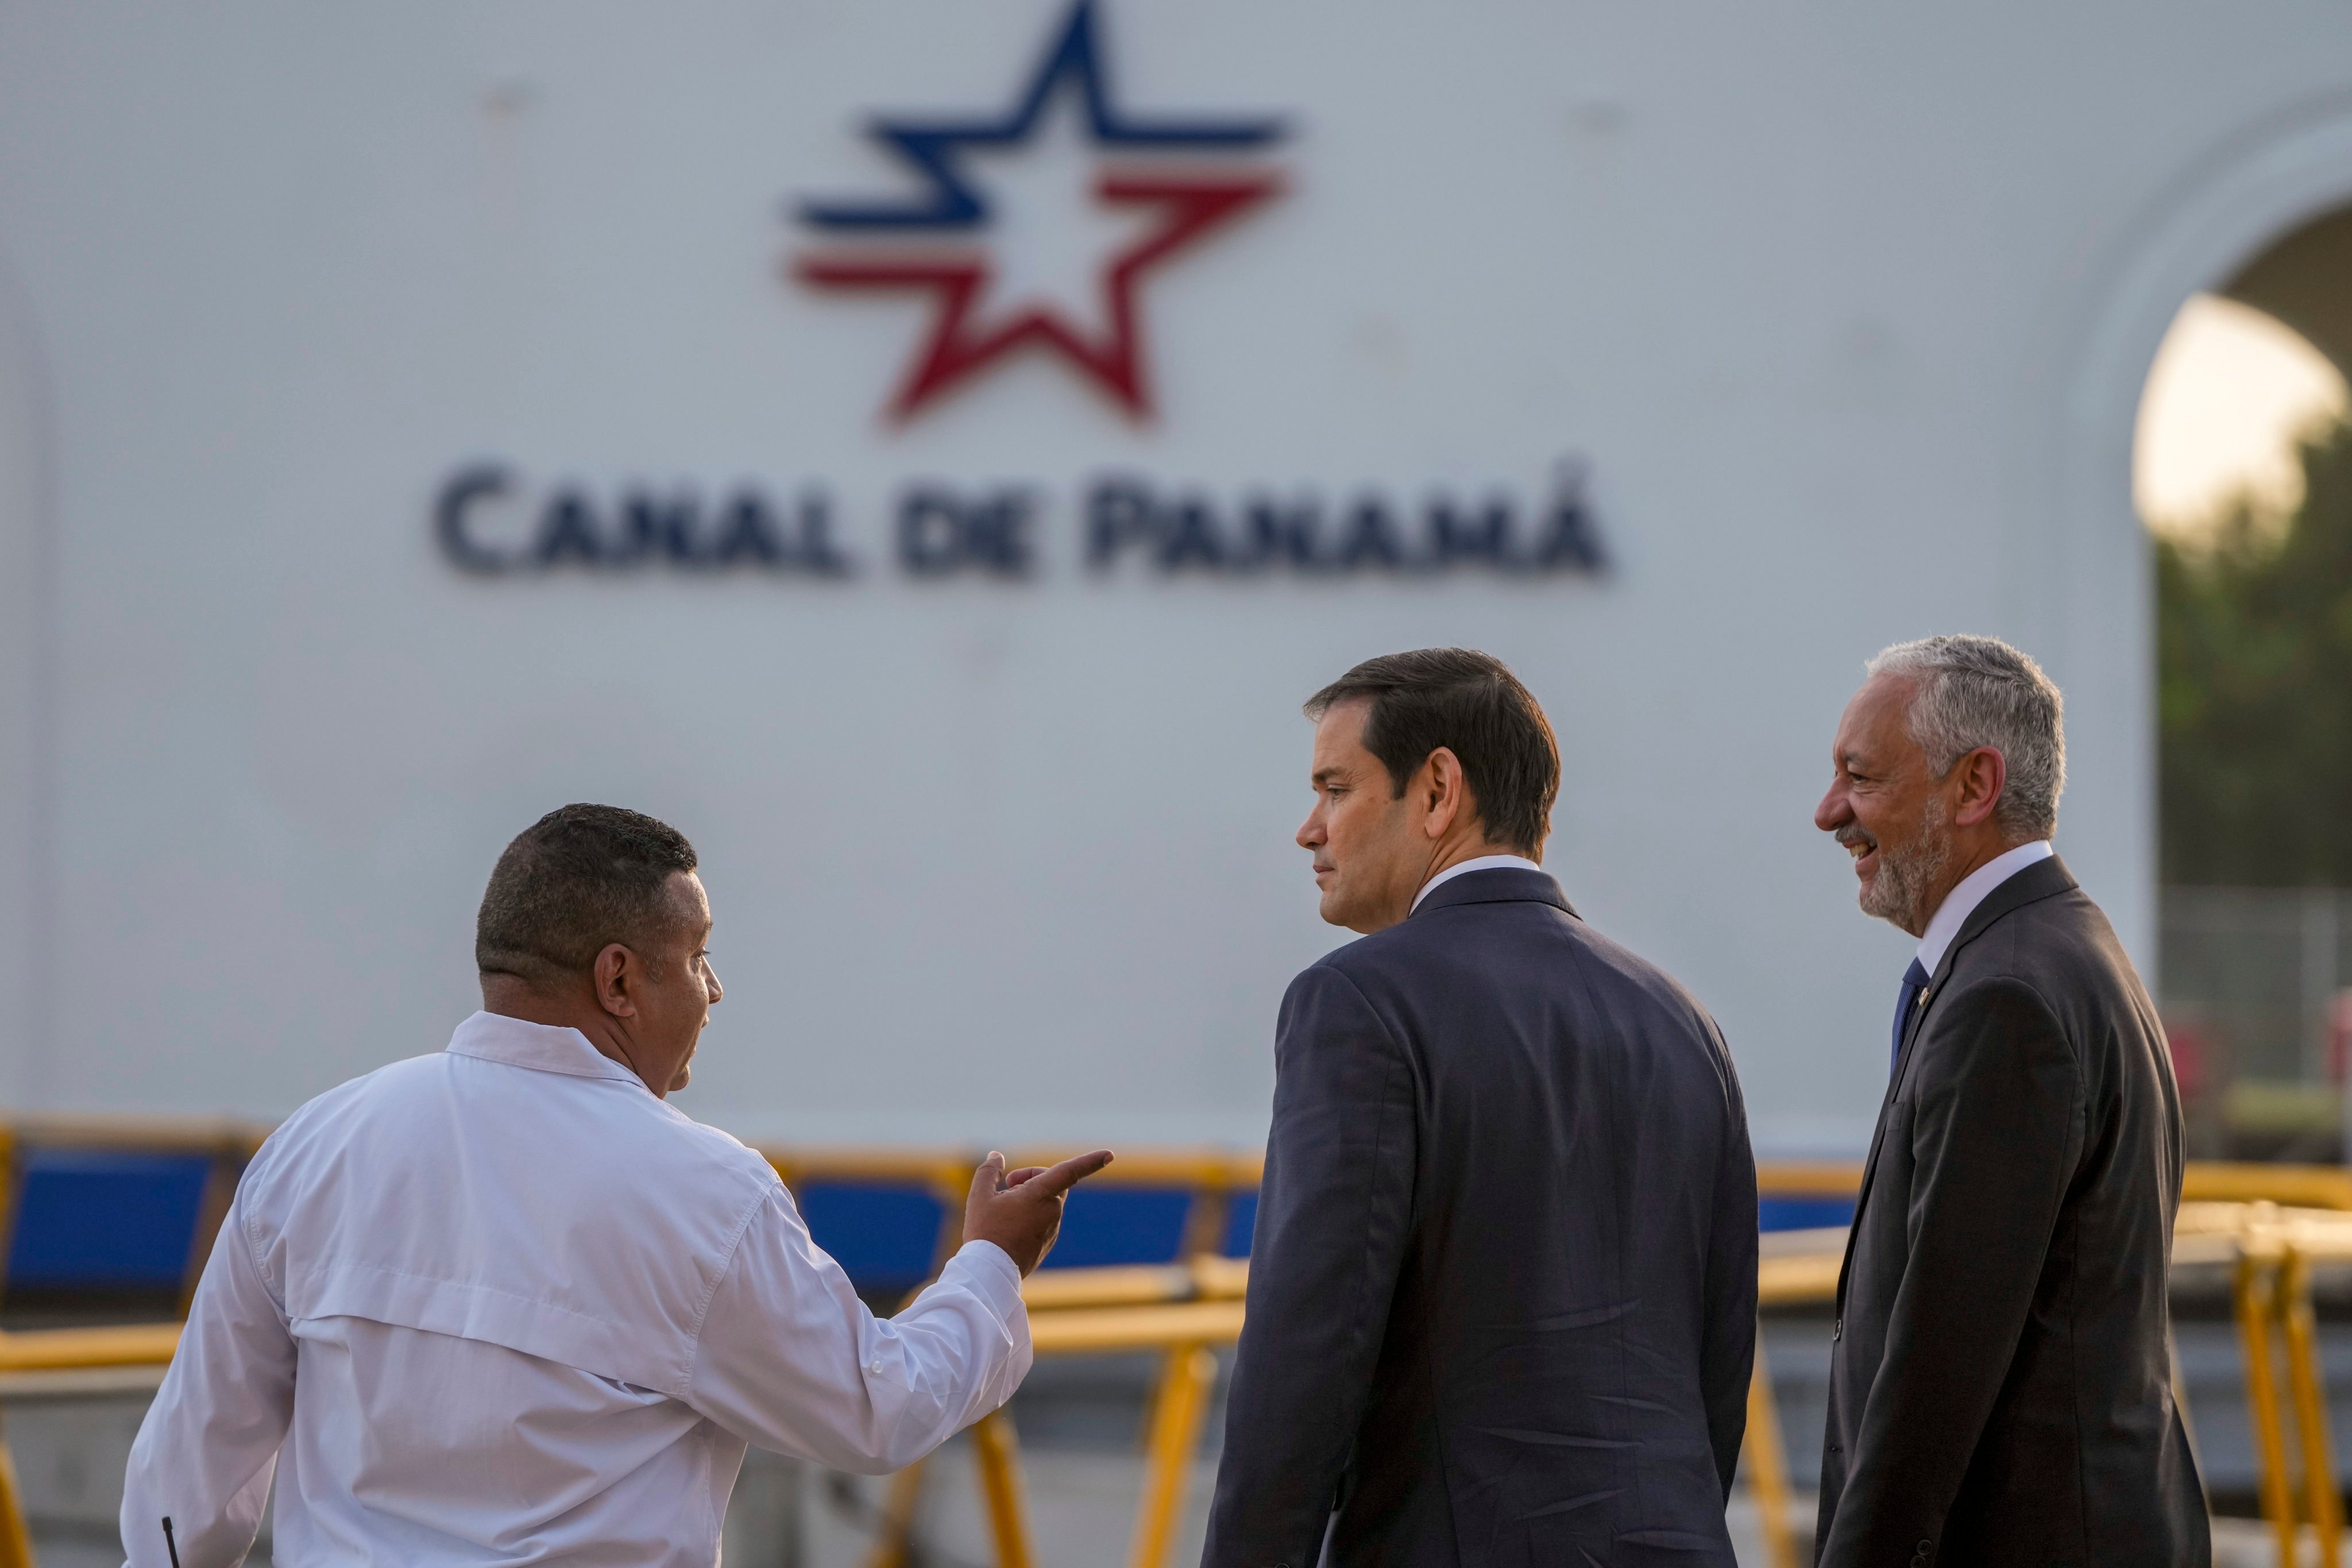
{"x": 1456, "y": 855}
{"x": 1983, "y": 855}
{"x": 1449, "y": 857}
{"x": 512, "y": 996}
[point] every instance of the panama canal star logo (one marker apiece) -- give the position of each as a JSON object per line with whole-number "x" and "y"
{"x": 1149, "y": 188}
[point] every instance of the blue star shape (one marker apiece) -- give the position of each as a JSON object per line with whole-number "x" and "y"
{"x": 931, "y": 147}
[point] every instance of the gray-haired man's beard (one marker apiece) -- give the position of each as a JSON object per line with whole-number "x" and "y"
{"x": 1898, "y": 894}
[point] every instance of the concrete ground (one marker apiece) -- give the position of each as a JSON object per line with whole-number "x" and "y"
{"x": 1080, "y": 1424}
{"x": 1082, "y": 1508}
{"x": 1082, "y": 1495}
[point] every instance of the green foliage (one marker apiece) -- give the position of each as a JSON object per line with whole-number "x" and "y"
{"x": 2254, "y": 690}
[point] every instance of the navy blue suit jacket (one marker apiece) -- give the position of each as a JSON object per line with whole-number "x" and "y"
{"x": 1502, "y": 1301}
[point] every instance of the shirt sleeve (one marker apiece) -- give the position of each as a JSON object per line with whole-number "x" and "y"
{"x": 790, "y": 1359}
{"x": 209, "y": 1444}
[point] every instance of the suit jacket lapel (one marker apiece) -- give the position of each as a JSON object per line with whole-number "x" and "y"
{"x": 1869, "y": 1172}
{"x": 2045, "y": 878}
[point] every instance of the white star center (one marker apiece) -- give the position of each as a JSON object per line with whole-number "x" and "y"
{"x": 1048, "y": 235}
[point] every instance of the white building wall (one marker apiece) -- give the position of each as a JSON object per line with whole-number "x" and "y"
{"x": 1846, "y": 307}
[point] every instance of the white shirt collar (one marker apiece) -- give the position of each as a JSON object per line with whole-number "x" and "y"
{"x": 542, "y": 1048}
{"x": 1962, "y": 901}
{"x": 1483, "y": 863}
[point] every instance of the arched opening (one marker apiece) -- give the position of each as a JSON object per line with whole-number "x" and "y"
{"x": 2242, "y": 473}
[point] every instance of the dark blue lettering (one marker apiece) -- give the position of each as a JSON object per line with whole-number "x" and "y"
{"x": 818, "y": 553}
{"x": 655, "y": 525}
{"x": 645, "y": 525}
{"x": 1571, "y": 541}
{"x": 1277, "y": 533}
{"x": 930, "y": 533}
{"x": 941, "y": 533}
{"x": 449, "y": 513}
{"x": 567, "y": 531}
{"x": 1119, "y": 513}
{"x": 996, "y": 533}
{"x": 1456, "y": 536}
{"x": 747, "y": 532}
{"x": 1189, "y": 538}
{"x": 1371, "y": 538}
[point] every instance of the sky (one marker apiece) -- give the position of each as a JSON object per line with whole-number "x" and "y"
{"x": 2231, "y": 391}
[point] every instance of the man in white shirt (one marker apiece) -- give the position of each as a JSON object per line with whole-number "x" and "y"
{"x": 504, "y": 1305}
{"x": 1999, "y": 1386}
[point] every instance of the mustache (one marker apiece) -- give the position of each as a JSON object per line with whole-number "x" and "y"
{"x": 1852, "y": 834}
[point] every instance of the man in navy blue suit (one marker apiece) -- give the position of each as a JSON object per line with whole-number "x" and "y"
{"x": 1502, "y": 1302}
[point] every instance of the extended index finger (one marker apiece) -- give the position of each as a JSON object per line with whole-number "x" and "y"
{"x": 1069, "y": 1174}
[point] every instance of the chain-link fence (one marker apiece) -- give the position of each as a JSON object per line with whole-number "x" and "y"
{"x": 2256, "y": 984}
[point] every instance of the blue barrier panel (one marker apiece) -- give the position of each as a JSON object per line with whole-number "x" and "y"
{"x": 1803, "y": 1214}
{"x": 106, "y": 1218}
{"x": 883, "y": 1237}
{"x": 1240, "y": 1223}
{"x": 1106, "y": 1226}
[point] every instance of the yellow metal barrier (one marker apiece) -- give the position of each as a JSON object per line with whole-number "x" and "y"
{"x": 1059, "y": 1289}
{"x": 1808, "y": 1178}
{"x": 2325, "y": 1503}
{"x": 2290, "y": 1186}
{"x": 2267, "y": 1224}
{"x": 1079, "y": 1312}
{"x": 2271, "y": 1289}
{"x": 1180, "y": 1310}
{"x": 62, "y": 1350}
{"x": 1006, "y": 1498}
{"x": 1108, "y": 1330}
{"x": 1768, "y": 1465}
{"x": 1186, "y": 1378}
{"x": 1184, "y": 1309}
{"x": 2273, "y": 1223}
{"x": 1211, "y": 1177}
{"x": 1794, "y": 1268}
{"x": 1184, "y": 1331}
{"x": 2254, "y": 1289}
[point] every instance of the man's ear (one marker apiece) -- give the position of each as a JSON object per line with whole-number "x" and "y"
{"x": 1983, "y": 773}
{"x": 1446, "y": 790}
{"x": 615, "y": 977}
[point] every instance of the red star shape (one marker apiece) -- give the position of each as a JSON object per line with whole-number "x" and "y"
{"x": 960, "y": 348}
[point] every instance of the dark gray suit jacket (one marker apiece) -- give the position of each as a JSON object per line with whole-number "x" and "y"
{"x": 2000, "y": 1384}
{"x": 1502, "y": 1303}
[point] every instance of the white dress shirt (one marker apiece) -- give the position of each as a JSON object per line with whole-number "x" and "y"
{"x": 1962, "y": 901}
{"x": 1482, "y": 863}
{"x": 501, "y": 1305}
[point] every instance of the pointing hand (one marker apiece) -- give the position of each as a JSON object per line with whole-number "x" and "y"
{"x": 1021, "y": 1211}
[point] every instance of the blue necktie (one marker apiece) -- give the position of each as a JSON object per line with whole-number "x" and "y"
{"x": 1915, "y": 979}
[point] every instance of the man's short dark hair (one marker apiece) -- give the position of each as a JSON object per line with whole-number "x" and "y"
{"x": 1470, "y": 703}
{"x": 579, "y": 878}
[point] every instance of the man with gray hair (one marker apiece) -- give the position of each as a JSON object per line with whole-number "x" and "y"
{"x": 2000, "y": 1375}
